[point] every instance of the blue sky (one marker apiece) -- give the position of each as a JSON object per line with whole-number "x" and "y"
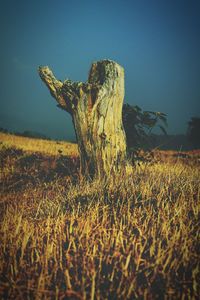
{"x": 157, "y": 42}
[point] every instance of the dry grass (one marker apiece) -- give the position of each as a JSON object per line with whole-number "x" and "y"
{"x": 38, "y": 145}
{"x": 62, "y": 237}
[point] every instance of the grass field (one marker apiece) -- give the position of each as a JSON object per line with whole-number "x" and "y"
{"x": 135, "y": 236}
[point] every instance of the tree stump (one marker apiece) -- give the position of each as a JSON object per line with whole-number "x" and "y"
{"x": 96, "y": 110}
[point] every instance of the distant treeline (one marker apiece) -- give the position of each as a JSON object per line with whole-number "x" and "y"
{"x": 177, "y": 142}
{"x": 27, "y": 133}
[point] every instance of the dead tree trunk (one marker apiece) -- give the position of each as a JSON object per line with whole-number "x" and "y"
{"x": 96, "y": 110}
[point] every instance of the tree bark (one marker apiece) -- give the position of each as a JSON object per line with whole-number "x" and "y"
{"x": 96, "y": 110}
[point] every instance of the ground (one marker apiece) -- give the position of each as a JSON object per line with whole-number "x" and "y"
{"x": 135, "y": 236}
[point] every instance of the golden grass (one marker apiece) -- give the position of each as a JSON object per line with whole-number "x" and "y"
{"x": 39, "y": 145}
{"x": 63, "y": 237}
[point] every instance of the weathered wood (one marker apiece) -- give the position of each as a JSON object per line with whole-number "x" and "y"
{"x": 96, "y": 110}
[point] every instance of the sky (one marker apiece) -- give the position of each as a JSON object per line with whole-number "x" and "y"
{"x": 157, "y": 43}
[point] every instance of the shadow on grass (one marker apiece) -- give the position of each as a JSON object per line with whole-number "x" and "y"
{"x": 21, "y": 169}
